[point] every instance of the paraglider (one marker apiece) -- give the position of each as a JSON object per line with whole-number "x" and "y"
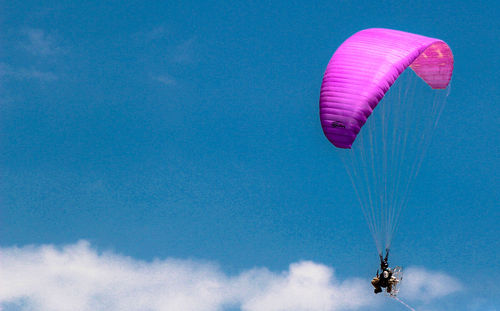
{"x": 383, "y": 152}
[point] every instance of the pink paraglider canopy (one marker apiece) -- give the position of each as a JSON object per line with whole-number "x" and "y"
{"x": 365, "y": 66}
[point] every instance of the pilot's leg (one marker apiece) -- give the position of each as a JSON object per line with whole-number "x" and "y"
{"x": 375, "y": 283}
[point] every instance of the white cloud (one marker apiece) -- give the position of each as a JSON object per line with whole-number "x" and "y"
{"x": 23, "y": 73}
{"x": 39, "y": 42}
{"x": 308, "y": 286}
{"x": 166, "y": 79}
{"x": 34, "y": 74}
{"x": 421, "y": 284}
{"x": 77, "y": 277}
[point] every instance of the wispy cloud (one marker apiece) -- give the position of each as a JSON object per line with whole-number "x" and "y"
{"x": 24, "y": 73}
{"x": 182, "y": 55}
{"x": 168, "y": 51}
{"x": 184, "y": 52}
{"x": 157, "y": 33}
{"x": 77, "y": 277}
{"x": 166, "y": 79}
{"x": 39, "y": 42}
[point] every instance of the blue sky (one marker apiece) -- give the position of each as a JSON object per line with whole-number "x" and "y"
{"x": 190, "y": 130}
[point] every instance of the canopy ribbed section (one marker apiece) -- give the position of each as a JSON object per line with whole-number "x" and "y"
{"x": 363, "y": 69}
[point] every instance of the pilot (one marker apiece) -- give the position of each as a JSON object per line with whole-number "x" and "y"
{"x": 385, "y": 279}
